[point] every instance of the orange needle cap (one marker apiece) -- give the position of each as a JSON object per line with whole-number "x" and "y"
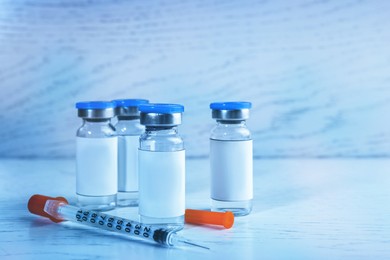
{"x": 36, "y": 205}
{"x": 194, "y": 216}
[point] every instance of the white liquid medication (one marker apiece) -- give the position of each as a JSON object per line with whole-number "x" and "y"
{"x": 231, "y": 159}
{"x": 128, "y": 129}
{"x": 161, "y": 183}
{"x": 96, "y": 166}
{"x": 231, "y": 180}
{"x": 161, "y": 166}
{"x": 128, "y": 164}
{"x": 96, "y": 156}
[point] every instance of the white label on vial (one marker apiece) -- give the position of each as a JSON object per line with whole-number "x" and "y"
{"x": 161, "y": 184}
{"x": 231, "y": 170}
{"x": 128, "y": 163}
{"x": 97, "y": 166}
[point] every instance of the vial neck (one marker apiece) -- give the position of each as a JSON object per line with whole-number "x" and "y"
{"x": 231, "y": 131}
{"x": 161, "y": 139}
{"x": 161, "y": 129}
{"x": 128, "y": 118}
{"x": 96, "y": 128}
{"x": 97, "y": 120}
{"x": 231, "y": 122}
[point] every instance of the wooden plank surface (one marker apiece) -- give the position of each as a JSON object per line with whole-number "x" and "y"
{"x": 303, "y": 209}
{"x": 317, "y": 72}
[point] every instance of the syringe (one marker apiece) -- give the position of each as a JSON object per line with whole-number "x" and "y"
{"x": 58, "y": 209}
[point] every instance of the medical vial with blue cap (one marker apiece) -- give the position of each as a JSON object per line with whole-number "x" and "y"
{"x": 96, "y": 156}
{"x": 161, "y": 166}
{"x": 128, "y": 129}
{"x": 231, "y": 158}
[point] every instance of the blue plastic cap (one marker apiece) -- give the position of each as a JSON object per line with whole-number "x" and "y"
{"x": 230, "y": 105}
{"x": 130, "y": 102}
{"x": 161, "y": 108}
{"x": 95, "y": 105}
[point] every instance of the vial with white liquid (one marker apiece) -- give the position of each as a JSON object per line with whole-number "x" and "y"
{"x": 161, "y": 166}
{"x": 96, "y": 156}
{"x": 128, "y": 129}
{"x": 231, "y": 158}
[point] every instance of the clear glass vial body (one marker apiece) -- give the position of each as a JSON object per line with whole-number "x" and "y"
{"x": 231, "y": 165}
{"x": 96, "y": 158}
{"x": 161, "y": 170}
{"x": 128, "y": 129}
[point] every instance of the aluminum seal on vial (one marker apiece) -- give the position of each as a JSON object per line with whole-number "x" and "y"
{"x": 230, "y": 110}
{"x": 161, "y": 114}
{"x": 128, "y": 107}
{"x": 96, "y": 109}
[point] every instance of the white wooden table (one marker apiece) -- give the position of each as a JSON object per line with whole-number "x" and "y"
{"x": 303, "y": 209}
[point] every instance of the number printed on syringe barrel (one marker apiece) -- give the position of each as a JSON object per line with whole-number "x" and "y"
{"x": 111, "y": 223}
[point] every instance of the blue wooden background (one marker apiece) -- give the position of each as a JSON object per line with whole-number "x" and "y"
{"x": 317, "y": 72}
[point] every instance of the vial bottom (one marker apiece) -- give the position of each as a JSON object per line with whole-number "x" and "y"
{"x": 239, "y": 208}
{"x": 176, "y": 223}
{"x": 99, "y": 203}
{"x": 127, "y": 199}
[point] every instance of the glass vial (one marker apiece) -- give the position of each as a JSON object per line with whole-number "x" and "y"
{"x": 161, "y": 166}
{"x": 128, "y": 129}
{"x": 231, "y": 158}
{"x": 96, "y": 156}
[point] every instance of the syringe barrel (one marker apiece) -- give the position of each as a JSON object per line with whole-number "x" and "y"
{"x": 57, "y": 209}
{"x": 111, "y": 223}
